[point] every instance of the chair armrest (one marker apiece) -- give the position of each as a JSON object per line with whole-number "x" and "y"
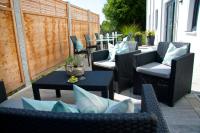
{"x": 150, "y": 104}
{"x": 3, "y": 95}
{"x": 181, "y": 75}
{"x": 99, "y": 55}
{"x": 124, "y": 69}
{"x": 123, "y": 63}
{"x": 144, "y": 58}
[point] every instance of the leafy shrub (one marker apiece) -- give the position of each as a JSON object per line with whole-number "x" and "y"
{"x": 150, "y": 33}
{"x": 107, "y": 27}
{"x": 74, "y": 60}
{"x": 143, "y": 38}
{"x": 138, "y": 33}
{"x": 130, "y": 29}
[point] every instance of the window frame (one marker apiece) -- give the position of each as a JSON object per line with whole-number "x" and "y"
{"x": 195, "y": 15}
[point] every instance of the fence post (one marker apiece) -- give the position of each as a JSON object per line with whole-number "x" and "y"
{"x": 89, "y": 28}
{"x": 21, "y": 40}
{"x": 70, "y": 28}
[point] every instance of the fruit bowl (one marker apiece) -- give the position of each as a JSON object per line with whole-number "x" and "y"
{"x": 74, "y": 71}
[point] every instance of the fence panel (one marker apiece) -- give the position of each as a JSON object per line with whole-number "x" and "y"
{"x": 46, "y": 31}
{"x": 80, "y": 25}
{"x": 10, "y": 63}
{"x": 94, "y": 24}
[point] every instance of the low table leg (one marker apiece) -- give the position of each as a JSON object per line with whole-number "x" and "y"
{"x": 58, "y": 94}
{"x": 36, "y": 93}
{"x": 104, "y": 93}
{"x": 111, "y": 91}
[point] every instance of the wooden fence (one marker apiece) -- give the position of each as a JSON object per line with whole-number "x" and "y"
{"x": 10, "y": 63}
{"x": 46, "y": 32}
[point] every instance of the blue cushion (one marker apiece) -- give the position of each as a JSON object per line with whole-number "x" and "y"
{"x": 112, "y": 52}
{"x": 38, "y": 105}
{"x": 125, "y": 39}
{"x": 63, "y": 107}
{"x": 79, "y": 46}
{"x": 89, "y": 103}
{"x": 173, "y": 52}
{"x": 121, "y": 48}
{"x": 118, "y": 48}
{"x": 126, "y": 106}
{"x": 126, "y": 47}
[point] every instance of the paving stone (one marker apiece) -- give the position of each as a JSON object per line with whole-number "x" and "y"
{"x": 184, "y": 128}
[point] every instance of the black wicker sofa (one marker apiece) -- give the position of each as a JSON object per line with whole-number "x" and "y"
{"x": 150, "y": 120}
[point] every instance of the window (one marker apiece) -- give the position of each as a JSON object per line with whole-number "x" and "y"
{"x": 195, "y": 15}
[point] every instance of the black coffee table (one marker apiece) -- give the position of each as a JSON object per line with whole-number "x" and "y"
{"x": 94, "y": 81}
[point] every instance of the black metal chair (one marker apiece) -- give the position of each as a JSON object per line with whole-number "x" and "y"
{"x": 84, "y": 51}
{"x": 97, "y": 36}
{"x": 122, "y": 67}
{"x": 89, "y": 43}
{"x": 170, "y": 83}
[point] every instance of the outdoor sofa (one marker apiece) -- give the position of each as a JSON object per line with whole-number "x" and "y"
{"x": 149, "y": 120}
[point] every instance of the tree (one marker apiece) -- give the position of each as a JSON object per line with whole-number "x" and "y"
{"x": 125, "y": 12}
{"x": 106, "y": 27}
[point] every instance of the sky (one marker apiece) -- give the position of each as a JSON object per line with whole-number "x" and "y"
{"x": 92, "y": 5}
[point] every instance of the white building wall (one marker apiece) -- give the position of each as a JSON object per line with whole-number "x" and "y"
{"x": 182, "y": 24}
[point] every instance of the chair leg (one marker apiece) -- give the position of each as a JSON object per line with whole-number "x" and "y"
{"x": 88, "y": 55}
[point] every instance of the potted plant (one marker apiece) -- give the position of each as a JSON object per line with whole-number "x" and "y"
{"x": 150, "y": 38}
{"x": 138, "y": 38}
{"x": 74, "y": 66}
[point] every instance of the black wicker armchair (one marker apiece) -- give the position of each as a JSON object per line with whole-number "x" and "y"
{"x": 170, "y": 83}
{"x": 122, "y": 66}
{"x": 149, "y": 120}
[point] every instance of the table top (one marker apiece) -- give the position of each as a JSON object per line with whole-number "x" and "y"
{"x": 92, "y": 78}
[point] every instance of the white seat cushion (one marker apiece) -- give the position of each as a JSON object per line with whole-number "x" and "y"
{"x": 105, "y": 63}
{"x": 155, "y": 69}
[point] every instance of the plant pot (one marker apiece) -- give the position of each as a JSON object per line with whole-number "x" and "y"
{"x": 74, "y": 71}
{"x": 138, "y": 39}
{"x": 150, "y": 40}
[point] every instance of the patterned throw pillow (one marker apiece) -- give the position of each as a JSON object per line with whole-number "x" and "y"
{"x": 55, "y": 106}
{"x": 63, "y": 107}
{"x": 37, "y": 104}
{"x": 89, "y": 103}
{"x": 126, "y": 106}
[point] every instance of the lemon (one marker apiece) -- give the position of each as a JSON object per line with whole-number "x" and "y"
{"x": 73, "y": 79}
